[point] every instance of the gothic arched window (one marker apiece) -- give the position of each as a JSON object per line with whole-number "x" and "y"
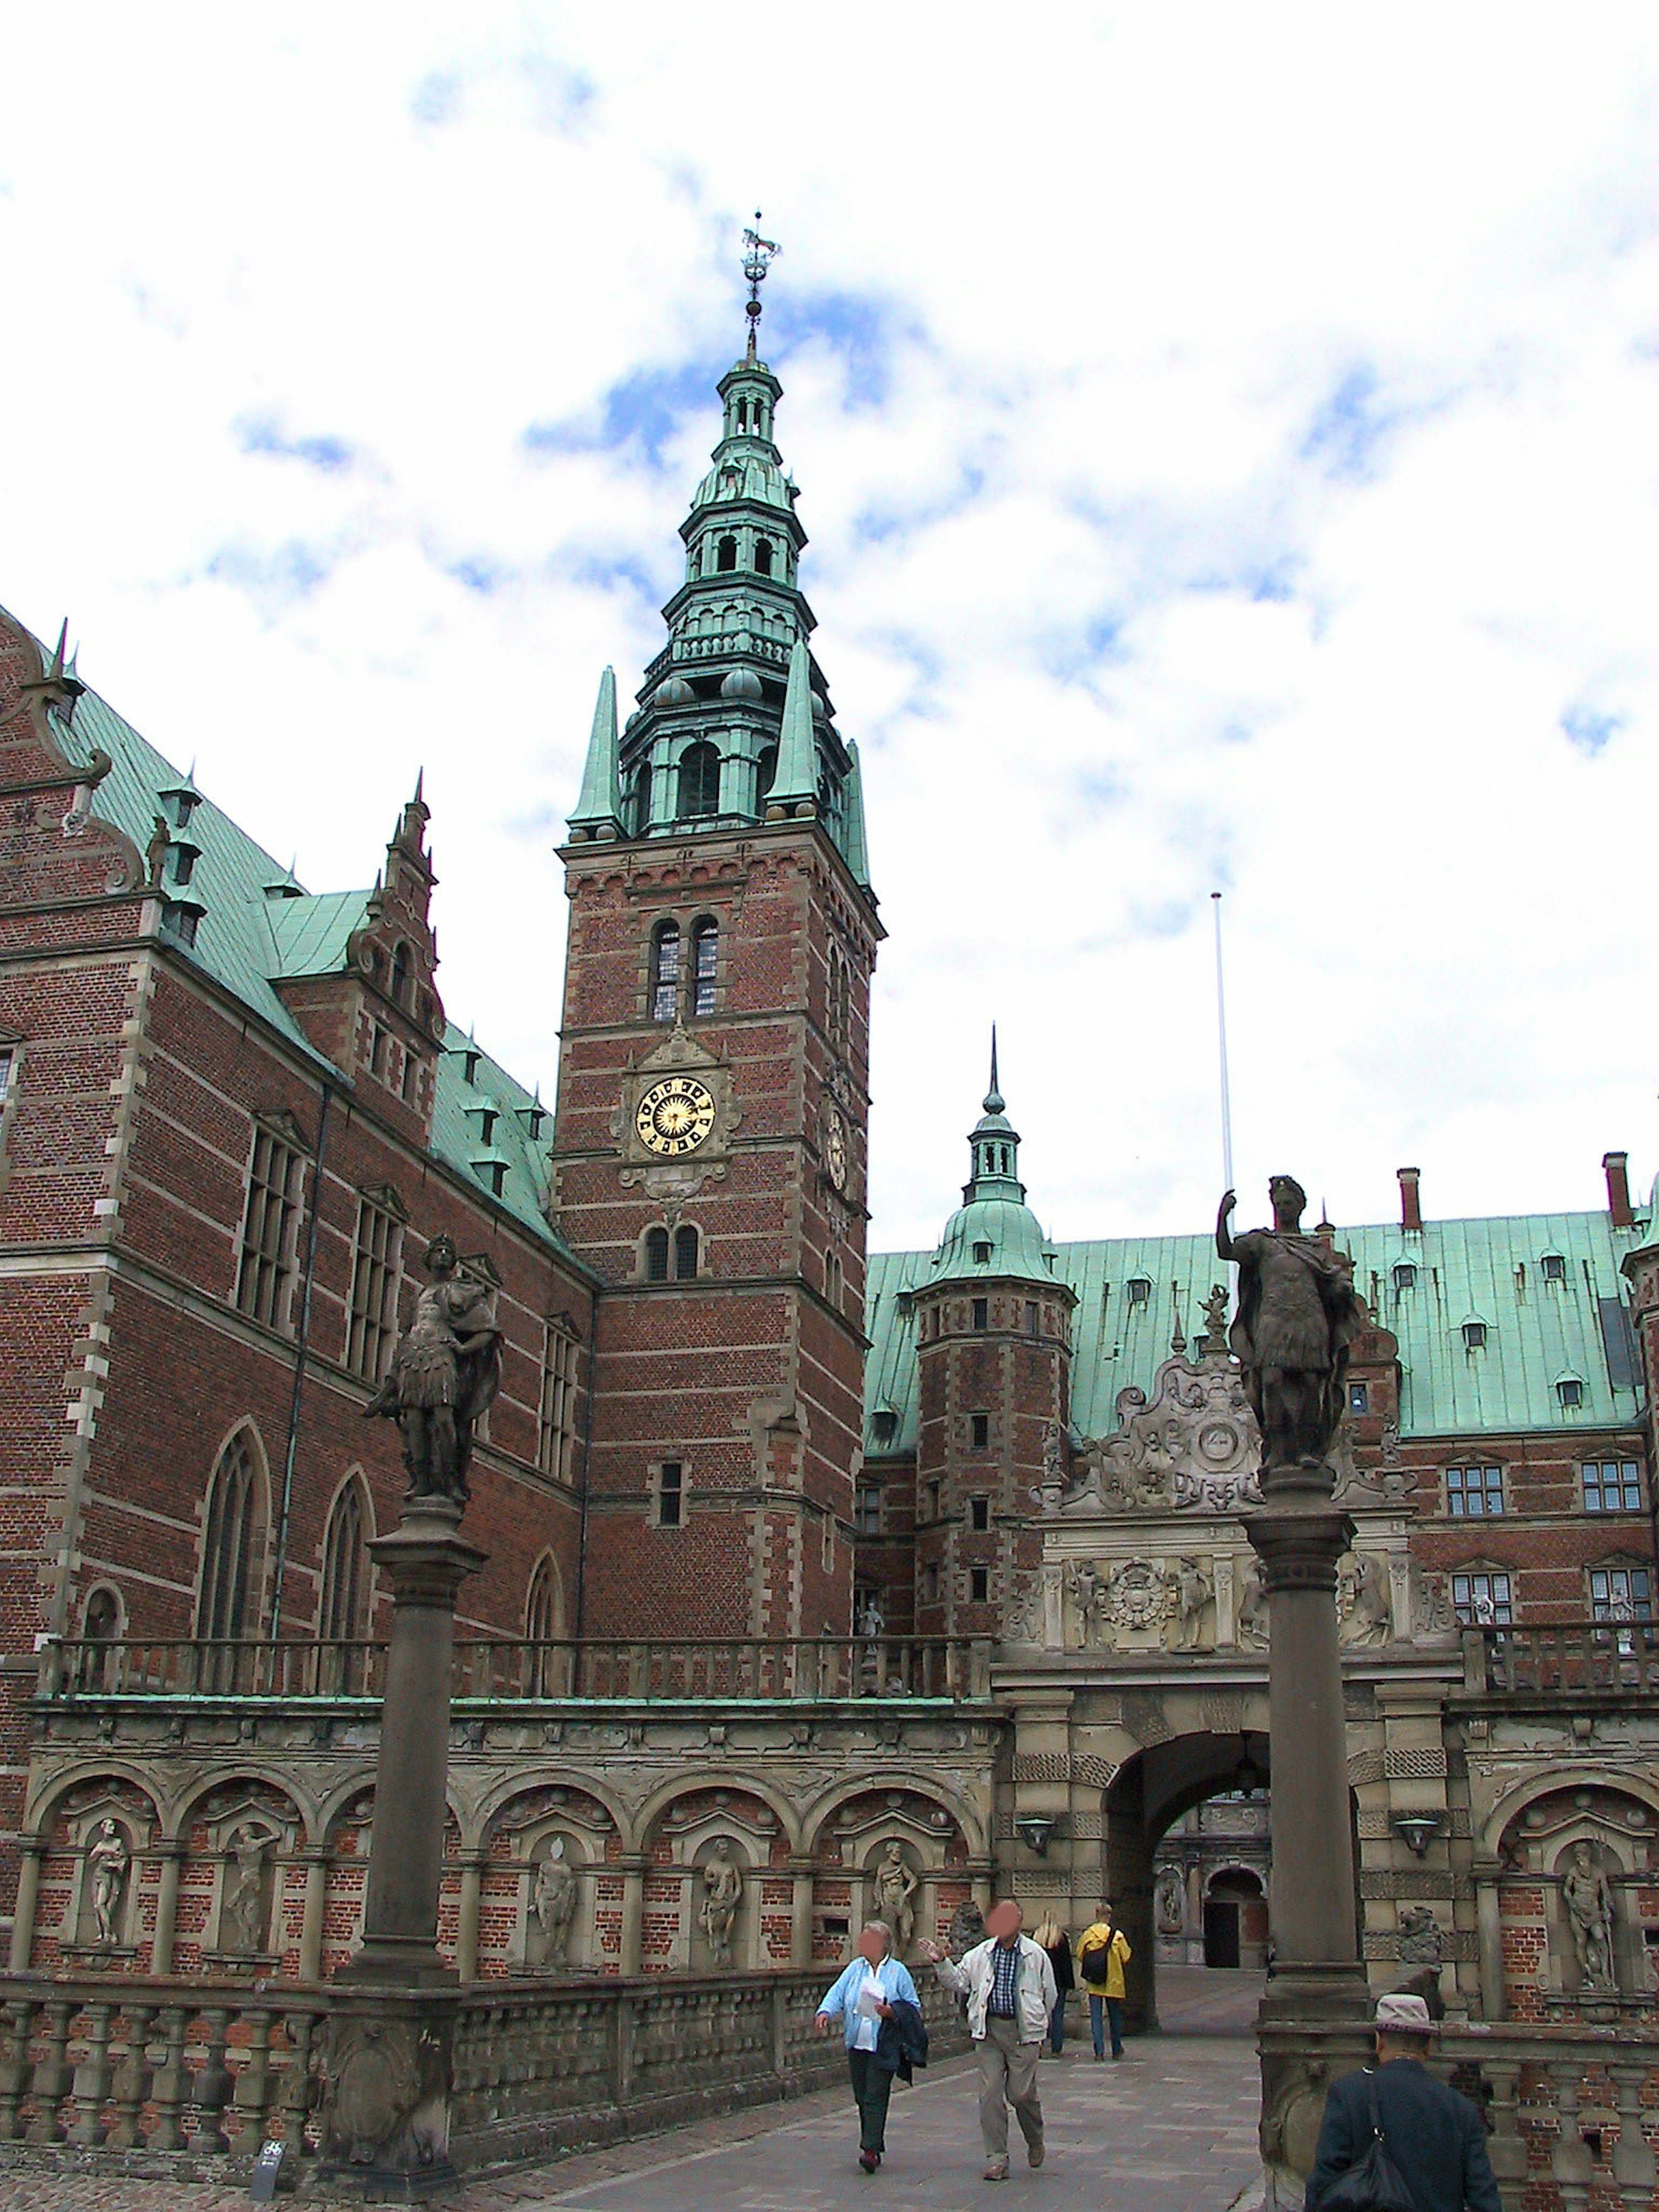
{"x": 700, "y": 782}
{"x": 343, "y": 1607}
{"x": 544, "y": 1607}
{"x": 656, "y": 1256}
{"x": 725, "y": 555}
{"x": 840, "y": 998}
{"x": 686, "y": 1254}
{"x": 665, "y": 973}
{"x": 705, "y": 958}
{"x": 233, "y": 1546}
{"x": 763, "y": 557}
{"x": 766, "y": 773}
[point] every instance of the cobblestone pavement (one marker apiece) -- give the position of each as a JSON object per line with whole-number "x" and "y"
{"x": 1172, "y": 2129}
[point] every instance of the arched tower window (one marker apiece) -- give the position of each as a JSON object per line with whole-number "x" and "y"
{"x": 763, "y": 557}
{"x": 840, "y": 998}
{"x": 233, "y": 1546}
{"x": 700, "y": 782}
{"x": 686, "y": 1254}
{"x": 766, "y": 773}
{"x": 641, "y": 798}
{"x": 705, "y": 958}
{"x": 665, "y": 973}
{"x": 400, "y": 976}
{"x": 343, "y": 1607}
{"x": 725, "y": 554}
{"x": 656, "y": 1256}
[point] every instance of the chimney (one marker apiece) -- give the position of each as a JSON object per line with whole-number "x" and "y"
{"x": 1615, "y": 1167}
{"x": 1410, "y": 1205}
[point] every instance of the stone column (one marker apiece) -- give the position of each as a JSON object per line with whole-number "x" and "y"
{"x": 316, "y": 1862}
{"x": 633, "y": 1864}
{"x": 800, "y": 1913}
{"x": 172, "y": 1857}
{"x": 426, "y": 1561}
{"x": 466, "y": 1933}
{"x": 33, "y": 1849}
{"x": 1312, "y": 2019}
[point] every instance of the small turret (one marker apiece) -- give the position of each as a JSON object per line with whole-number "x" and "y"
{"x": 598, "y": 809}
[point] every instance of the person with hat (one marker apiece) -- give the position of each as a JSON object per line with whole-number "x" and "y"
{"x": 1435, "y": 2139}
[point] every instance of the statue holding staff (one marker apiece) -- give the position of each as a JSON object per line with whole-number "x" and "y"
{"x": 444, "y": 1375}
{"x": 1299, "y": 1313}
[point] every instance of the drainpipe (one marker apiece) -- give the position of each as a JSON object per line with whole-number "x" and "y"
{"x": 301, "y": 1349}
{"x": 587, "y": 1459}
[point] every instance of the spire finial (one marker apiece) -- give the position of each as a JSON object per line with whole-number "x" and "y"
{"x": 994, "y": 1098}
{"x": 58, "y": 661}
{"x": 420, "y": 787}
{"x": 759, "y": 254}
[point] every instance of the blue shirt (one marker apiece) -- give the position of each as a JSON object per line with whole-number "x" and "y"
{"x": 892, "y": 1978}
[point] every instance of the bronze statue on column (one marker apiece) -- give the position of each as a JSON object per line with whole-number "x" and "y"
{"x": 1299, "y": 1314}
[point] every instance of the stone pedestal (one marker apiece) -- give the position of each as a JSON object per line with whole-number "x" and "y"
{"x": 1312, "y": 2021}
{"x": 387, "y": 2060}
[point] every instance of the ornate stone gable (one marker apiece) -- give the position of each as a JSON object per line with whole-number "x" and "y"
{"x": 1192, "y": 1447}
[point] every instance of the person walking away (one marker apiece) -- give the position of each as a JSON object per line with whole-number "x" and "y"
{"x": 1102, "y": 1953}
{"x": 1010, "y": 1988}
{"x": 1434, "y": 2138}
{"x": 1048, "y": 1935}
{"x": 867, "y": 1998}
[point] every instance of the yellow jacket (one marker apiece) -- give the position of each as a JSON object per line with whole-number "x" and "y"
{"x": 1093, "y": 1938}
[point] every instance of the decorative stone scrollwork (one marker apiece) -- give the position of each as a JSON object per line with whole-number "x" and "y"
{"x": 1192, "y": 1447}
{"x": 387, "y": 2102}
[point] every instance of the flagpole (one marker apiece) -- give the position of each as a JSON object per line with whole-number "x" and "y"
{"x": 1221, "y": 1035}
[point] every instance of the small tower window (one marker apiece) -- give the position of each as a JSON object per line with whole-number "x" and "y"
{"x": 705, "y": 957}
{"x": 671, "y": 1494}
{"x": 765, "y": 772}
{"x": 1475, "y": 1336}
{"x": 978, "y": 1513}
{"x": 979, "y": 1430}
{"x": 1571, "y": 1391}
{"x": 1405, "y": 1276}
{"x": 642, "y": 800}
{"x": 1140, "y": 1290}
{"x": 725, "y": 554}
{"x": 979, "y": 1585}
{"x": 981, "y": 1314}
{"x": 665, "y": 973}
{"x": 1359, "y": 1398}
{"x": 699, "y": 783}
{"x": 686, "y": 1254}
{"x": 1033, "y": 1319}
{"x": 400, "y": 974}
{"x": 656, "y": 1256}
{"x": 981, "y": 1256}
{"x": 763, "y": 556}
{"x": 1552, "y": 1268}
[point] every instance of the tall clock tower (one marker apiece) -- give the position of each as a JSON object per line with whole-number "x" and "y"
{"x": 709, "y": 1154}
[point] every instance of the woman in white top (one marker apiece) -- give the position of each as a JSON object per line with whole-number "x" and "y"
{"x": 862, "y": 1998}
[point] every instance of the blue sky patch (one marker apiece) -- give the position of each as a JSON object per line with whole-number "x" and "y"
{"x": 854, "y": 326}
{"x": 1587, "y": 729}
{"x": 273, "y": 577}
{"x": 1349, "y": 427}
{"x": 648, "y": 407}
{"x": 436, "y": 99}
{"x": 261, "y": 434}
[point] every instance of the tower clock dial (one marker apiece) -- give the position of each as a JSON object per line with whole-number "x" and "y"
{"x": 675, "y": 1115}
{"x": 834, "y": 1148}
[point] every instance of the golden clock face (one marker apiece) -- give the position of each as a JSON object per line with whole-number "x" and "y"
{"x": 834, "y": 1148}
{"x": 675, "y": 1115}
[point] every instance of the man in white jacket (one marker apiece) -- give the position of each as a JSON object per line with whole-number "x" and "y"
{"x": 1010, "y": 1987}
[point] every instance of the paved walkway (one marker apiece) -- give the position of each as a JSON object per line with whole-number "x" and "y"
{"x": 1172, "y": 2128}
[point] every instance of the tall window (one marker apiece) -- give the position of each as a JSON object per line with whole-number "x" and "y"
{"x": 670, "y": 1486}
{"x": 342, "y": 1611}
{"x": 867, "y": 1509}
{"x": 1482, "y": 1599}
{"x": 700, "y": 782}
{"x": 665, "y": 973}
{"x": 656, "y": 1256}
{"x": 1611, "y": 1485}
{"x": 705, "y": 957}
{"x": 265, "y": 1264}
{"x": 558, "y": 1421}
{"x": 400, "y": 974}
{"x": 979, "y": 1431}
{"x": 686, "y": 1254}
{"x": 1621, "y": 1593}
{"x": 1473, "y": 1492}
{"x": 372, "y": 1322}
{"x": 834, "y": 1285}
{"x": 981, "y": 1313}
{"x": 725, "y": 555}
{"x": 979, "y": 1585}
{"x": 7, "y": 1056}
{"x": 978, "y": 1513}
{"x": 840, "y": 998}
{"x": 543, "y": 1611}
{"x": 763, "y": 557}
{"x": 233, "y": 1548}
{"x": 765, "y": 772}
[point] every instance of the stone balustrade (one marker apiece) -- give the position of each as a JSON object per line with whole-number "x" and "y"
{"x": 1557, "y": 1660}
{"x": 493, "y": 1671}
{"x": 192, "y": 2079}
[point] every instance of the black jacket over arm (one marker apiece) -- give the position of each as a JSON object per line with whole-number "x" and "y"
{"x": 1435, "y": 2137}
{"x": 902, "y": 2042}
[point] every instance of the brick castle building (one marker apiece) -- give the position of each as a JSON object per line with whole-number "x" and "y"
{"x": 795, "y": 1556}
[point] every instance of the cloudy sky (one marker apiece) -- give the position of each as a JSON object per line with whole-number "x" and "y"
{"x": 1229, "y": 442}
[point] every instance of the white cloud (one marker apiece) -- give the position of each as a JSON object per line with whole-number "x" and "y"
{"x": 1265, "y": 464}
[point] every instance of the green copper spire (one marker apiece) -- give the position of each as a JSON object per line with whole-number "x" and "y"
{"x": 795, "y": 785}
{"x": 993, "y": 1231}
{"x": 599, "y": 809}
{"x": 854, "y": 843}
{"x": 995, "y": 1146}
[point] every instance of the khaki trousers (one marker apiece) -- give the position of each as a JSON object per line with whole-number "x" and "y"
{"x": 1008, "y": 2070}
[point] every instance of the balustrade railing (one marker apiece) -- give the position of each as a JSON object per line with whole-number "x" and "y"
{"x": 1563, "y": 1658}
{"x": 507, "y": 1671}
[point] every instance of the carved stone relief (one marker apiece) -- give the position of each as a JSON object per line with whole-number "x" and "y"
{"x": 1192, "y": 1447}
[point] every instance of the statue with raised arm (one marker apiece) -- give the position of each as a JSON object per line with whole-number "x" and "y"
{"x": 1299, "y": 1313}
{"x": 444, "y": 1375}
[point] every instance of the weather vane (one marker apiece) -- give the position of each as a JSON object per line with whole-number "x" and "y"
{"x": 758, "y": 255}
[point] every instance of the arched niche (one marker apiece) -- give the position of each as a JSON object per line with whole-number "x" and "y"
{"x": 860, "y": 1841}
{"x": 96, "y": 1902}
{"x": 547, "y": 1902}
{"x": 1577, "y": 1861}
{"x": 236, "y": 1916}
{"x": 710, "y": 1889}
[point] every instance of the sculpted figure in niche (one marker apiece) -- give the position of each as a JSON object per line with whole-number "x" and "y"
{"x": 1171, "y": 1902}
{"x": 444, "y": 1375}
{"x": 967, "y": 1928}
{"x": 1422, "y": 1940}
{"x": 895, "y": 1886}
{"x": 555, "y": 1902}
{"x": 1252, "y": 1613}
{"x": 107, "y": 1861}
{"x": 1194, "y": 1592}
{"x": 1366, "y": 1617}
{"x": 1299, "y": 1314}
{"x": 241, "y": 1928}
{"x": 873, "y": 1621}
{"x": 722, "y": 1885}
{"x": 1587, "y": 1896}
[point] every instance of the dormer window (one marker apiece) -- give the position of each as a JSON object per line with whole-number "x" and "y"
{"x": 1554, "y": 1267}
{"x": 183, "y": 858}
{"x": 180, "y": 918}
{"x": 1139, "y": 1291}
{"x": 470, "y": 1058}
{"x": 981, "y": 1256}
{"x": 1405, "y": 1276}
{"x": 883, "y": 1425}
{"x": 1570, "y": 1392}
{"x": 492, "y": 1174}
{"x": 1475, "y": 1336}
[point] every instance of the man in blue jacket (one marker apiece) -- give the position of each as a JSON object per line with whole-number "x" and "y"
{"x": 1435, "y": 2137}
{"x": 862, "y": 1999}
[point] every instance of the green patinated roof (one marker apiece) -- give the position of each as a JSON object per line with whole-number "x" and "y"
{"x": 247, "y": 940}
{"x": 1016, "y": 1244}
{"x": 1537, "y": 1332}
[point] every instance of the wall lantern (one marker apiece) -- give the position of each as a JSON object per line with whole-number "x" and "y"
{"x": 1034, "y": 1829}
{"x": 1417, "y": 1830}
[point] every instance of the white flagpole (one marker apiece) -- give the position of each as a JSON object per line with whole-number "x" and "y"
{"x": 1221, "y": 1032}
